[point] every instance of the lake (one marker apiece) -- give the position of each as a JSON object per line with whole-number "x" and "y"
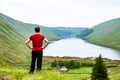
{"x": 79, "y": 48}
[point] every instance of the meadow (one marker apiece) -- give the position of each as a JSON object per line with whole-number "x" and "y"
{"x": 20, "y": 71}
{"x": 54, "y": 74}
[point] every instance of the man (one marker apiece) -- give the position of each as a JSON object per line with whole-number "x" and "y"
{"x": 37, "y": 47}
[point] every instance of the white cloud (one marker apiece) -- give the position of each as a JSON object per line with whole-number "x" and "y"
{"x": 61, "y": 12}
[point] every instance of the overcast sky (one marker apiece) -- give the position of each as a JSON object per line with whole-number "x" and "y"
{"x": 69, "y": 13}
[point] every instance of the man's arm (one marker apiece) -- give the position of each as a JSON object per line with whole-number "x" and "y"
{"x": 46, "y": 43}
{"x": 27, "y": 44}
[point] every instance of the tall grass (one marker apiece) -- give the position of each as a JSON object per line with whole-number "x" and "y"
{"x": 54, "y": 74}
{"x": 21, "y": 74}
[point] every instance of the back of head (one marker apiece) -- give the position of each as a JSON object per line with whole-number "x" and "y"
{"x": 37, "y": 29}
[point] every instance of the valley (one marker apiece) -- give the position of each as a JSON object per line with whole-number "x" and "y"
{"x": 15, "y": 56}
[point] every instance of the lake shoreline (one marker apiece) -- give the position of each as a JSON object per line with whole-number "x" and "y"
{"x": 77, "y": 47}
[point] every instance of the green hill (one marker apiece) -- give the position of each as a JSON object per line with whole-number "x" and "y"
{"x": 26, "y": 29}
{"x": 13, "y": 35}
{"x": 106, "y": 34}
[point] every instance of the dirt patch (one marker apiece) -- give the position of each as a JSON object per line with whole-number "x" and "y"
{"x": 5, "y": 77}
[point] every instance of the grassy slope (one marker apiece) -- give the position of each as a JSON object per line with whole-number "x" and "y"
{"x": 106, "y": 34}
{"x": 11, "y": 44}
{"x": 26, "y": 29}
{"x": 13, "y": 35}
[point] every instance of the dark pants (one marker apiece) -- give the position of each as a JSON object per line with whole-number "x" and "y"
{"x": 36, "y": 55}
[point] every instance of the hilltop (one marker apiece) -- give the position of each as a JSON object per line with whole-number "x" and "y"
{"x": 106, "y": 34}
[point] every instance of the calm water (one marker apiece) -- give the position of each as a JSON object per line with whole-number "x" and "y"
{"x": 79, "y": 48}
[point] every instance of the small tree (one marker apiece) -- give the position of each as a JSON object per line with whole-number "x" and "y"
{"x": 99, "y": 71}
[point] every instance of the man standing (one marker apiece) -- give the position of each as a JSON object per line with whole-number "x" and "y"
{"x": 37, "y": 47}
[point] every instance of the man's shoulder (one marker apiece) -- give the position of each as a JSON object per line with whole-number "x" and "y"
{"x": 40, "y": 35}
{"x": 32, "y": 35}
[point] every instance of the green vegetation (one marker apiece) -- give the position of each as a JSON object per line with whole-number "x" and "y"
{"x": 106, "y": 34}
{"x": 54, "y": 74}
{"x": 69, "y": 64}
{"x": 21, "y": 74}
{"x": 15, "y": 56}
{"x": 23, "y": 29}
{"x": 114, "y": 73}
{"x": 13, "y": 35}
{"x": 4, "y": 64}
{"x": 67, "y": 32}
{"x": 12, "y": 44}
{"x": 99, "y": 71}
{"x": 20, "y": 70}
{"x": 81, "y": 70}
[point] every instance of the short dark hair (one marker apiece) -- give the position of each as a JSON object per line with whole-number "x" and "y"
{"x": 37, "y": 29}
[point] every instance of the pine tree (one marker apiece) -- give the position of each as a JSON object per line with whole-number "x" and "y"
{"x": 99, "y": 71}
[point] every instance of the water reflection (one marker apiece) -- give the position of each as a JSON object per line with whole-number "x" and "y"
{"x": 79, "y": 48}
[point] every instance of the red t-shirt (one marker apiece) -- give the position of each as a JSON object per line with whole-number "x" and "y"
{"x": 37, "y": 41}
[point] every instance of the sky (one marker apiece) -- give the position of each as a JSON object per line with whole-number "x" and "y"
{"x": 66, "y": 13}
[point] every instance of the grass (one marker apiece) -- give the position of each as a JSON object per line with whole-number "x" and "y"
{"x": 115, "y": 73}
{"x": 14, "y": 52}
{"x": 20, "y": 71}
{"x": 52, "y": 75}
{"x": 21, "y": 74}
{"x": 55, "y": 74}
{"x": 13, "y": 34}
{"x": 106, "y": 34}
{"x": 82, "y": 70}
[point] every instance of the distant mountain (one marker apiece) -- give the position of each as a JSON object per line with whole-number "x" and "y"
{"x": 106, "y": 34}
{"x": 13, "y": 34}
{"x": 68, "y": 32}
